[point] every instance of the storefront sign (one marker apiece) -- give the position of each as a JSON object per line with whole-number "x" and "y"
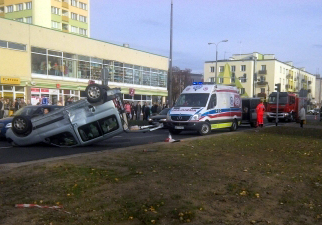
{"x": 131, "y": 91}
{"x": 53, "y": 91}
{"x": 35, "y": 89}
{"x": 10, "y": 80}
{"x": 45, "y": 90}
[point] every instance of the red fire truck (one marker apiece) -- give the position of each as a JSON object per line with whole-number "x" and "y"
{"x": 289, "y": 105}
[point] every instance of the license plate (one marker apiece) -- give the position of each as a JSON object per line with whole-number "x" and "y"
{"x": 179, "y": 127}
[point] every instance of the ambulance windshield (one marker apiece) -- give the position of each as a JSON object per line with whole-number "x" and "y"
{"x": 192, "y": 100}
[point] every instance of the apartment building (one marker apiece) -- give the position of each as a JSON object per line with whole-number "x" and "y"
{"x": 256, "y": 74}
{"x": 38, "y": 62}
{"x": 70, "y": 16}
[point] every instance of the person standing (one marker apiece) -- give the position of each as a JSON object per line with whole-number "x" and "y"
{"x": 1, "y": 107}
{"x": 6, "y": 108}
{"x": 16, "y": 105}
{"x": 132, "y": 110}
{"x": 143, "y": 110}
{"x": 22, "y": 103}
{"x": 127, "y": 108}
{"x": 147, "y": 112}
{"x": 138, "y": 111}
{"x": 302, "y": 116}
{"x": 260, "y": 109}
{"x": 28, "y": 102}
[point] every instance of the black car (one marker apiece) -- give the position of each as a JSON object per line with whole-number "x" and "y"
{"x": 159, "y": 118}
{"x": 28, "y": 111}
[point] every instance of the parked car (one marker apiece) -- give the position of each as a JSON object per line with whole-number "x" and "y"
{"x": 160, "y": 118}
{"x": 314, "y": 111}
{"x": 100, "y": 116}
{"x": 28, "y": 112}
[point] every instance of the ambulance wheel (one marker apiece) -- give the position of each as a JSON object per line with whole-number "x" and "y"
{"x": 21, "y": 125}
{"x": 174, "y": 131}
{"x": 94, "y": 93}
{"x": 234, "y": 125}
{"x": 204, "y": 129}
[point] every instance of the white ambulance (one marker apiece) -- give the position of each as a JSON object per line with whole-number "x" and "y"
{"x": 205, "y": 106}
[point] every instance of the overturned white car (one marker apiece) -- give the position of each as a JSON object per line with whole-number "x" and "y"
{"x": 85, "y": 122}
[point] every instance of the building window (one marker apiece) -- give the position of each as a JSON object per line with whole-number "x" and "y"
{"x": 16, "y": 46}
{"x": 74, "y": 29}
{"x": 280, "y": 69}
{"x": 29, "y": 20}
{"x": 1, "y": 9}
{"x": 65, "y": 27}
{"x": 74, "y": 3}
{"x": 212, "y": 79}
{"x": 3, "y": 44}
{"x": 220, "y": 80}
{"x": 243, "y": 79}
{"x": 19, "y": 19}
{"x": 233, "y": 68}
{"x": 263, "y": 67}
{"x": 221, "y": 69}
{"x": 82, "y": 5}
{"x": 55, "y": 25}
{"x": 74, "y": 16}
{"x": 9, "y": 8}
{"x": 19, "y": 7}
{"x": 212, "y": 69}
{"x": 262, "y": 90}
{"x": 28, "y": 5}
{"x": 262, "y": 78}
{"x": 83, "y": 19}
{"x": 242, "y": 91}
{"x": 233, "y": 76}
{"x": 54, "y": 10}
{"x": 82, "y": 31}
{"x": 243, "y": 68}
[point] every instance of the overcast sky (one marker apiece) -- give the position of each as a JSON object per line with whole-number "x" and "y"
{"x": 290, "y": 29}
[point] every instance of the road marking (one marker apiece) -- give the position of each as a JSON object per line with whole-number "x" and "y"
{"x": 117, "y": 136}
{"x": 7, "y": 147}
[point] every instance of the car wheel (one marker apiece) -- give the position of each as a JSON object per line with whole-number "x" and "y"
{"x": 21, "y": 125}
{"x": 234, "y": 125}
{"x": 94, "y": 93}
{"x": 174, "y": 131}
{"x": 204, "y": 129}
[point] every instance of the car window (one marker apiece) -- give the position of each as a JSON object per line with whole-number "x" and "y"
{"x": 63, "y": 139}
{"x": 25, "y": 111}
{"x": 108, "y": 124}
{"x": 164, "y": 112}
{"x": 89, "y": 131}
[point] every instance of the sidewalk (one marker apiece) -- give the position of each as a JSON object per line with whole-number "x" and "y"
{"x": 297, "y": 125}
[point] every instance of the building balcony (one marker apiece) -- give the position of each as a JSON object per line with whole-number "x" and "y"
{"x": 65, "y": 19}
{"x": 262, "y": 72}
{"x": 64, "y": 5}
{"x": 309, "y": 82}
{"x": 262, "y": 82}
{"x": 289, "y": 76}
{"x": 65, "y": 30}
{"x": 261, "y": 95}
{"x": 303, "y": 81}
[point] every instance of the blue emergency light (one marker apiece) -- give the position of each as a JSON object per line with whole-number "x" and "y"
{"x": 197, "y": 83}
{"x": 194, "y": 83}
{"x": 200, "y": 83}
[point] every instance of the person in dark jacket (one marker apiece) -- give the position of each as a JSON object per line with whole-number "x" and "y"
{"x": 147, "y": 112}
{"x": 143, "y": 110}
{"x": 132, "y": 110}
{"x": 138, "y": 111}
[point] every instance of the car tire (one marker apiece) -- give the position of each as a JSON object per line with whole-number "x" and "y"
{"x": 204, "y": 129}
{"x": 94, "y": 93}
{"x": 21, "y": 125}
{"x": 174, "y": 131}
{"x": 234, "y": 125}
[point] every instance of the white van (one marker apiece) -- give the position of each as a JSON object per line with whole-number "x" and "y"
{"x": 204, "y": 107}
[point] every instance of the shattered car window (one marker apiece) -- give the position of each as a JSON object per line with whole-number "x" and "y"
{"x": 63, "y": 139}
{"x": 25, "y": 111}
{"x": 108, "y": 124}
{"x": 89, "y": 131}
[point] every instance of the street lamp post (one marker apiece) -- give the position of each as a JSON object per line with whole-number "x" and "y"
{"x": 216, "y": 57}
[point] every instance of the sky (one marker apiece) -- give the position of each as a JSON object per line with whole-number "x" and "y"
{"x": 290, "y": 29}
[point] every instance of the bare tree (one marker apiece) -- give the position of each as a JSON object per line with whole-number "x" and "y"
{"x": 180, "y": 80}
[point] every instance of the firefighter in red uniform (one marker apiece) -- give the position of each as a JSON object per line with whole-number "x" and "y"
{"x": 260, "y": 109}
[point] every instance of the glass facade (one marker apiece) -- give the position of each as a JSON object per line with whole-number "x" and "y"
{"x": 55, "y": 63}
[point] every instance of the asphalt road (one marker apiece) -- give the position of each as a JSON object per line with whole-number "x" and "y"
{"x": 9, "y": 154}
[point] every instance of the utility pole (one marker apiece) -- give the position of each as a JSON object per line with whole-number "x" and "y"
{"x": 170, "y": 63}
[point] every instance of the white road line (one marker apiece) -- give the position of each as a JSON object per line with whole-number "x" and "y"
{"x": 7, "y": 147}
